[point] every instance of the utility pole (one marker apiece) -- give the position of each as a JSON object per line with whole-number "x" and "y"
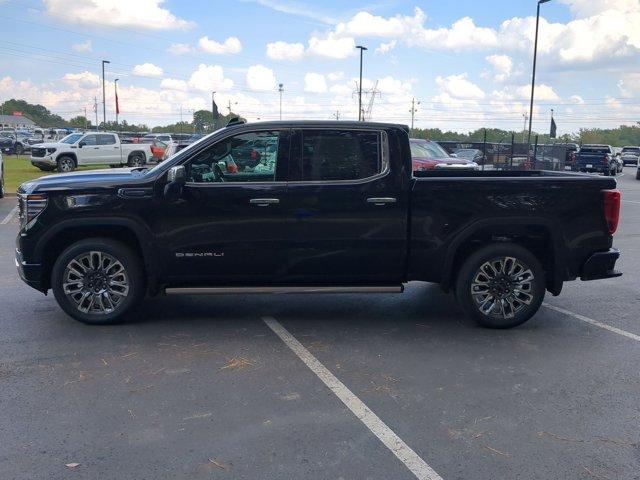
{"x": 524, "y": 128}
{"x": 104, "y": 105}
{"x": 280, "y": 90}
{"x": 337, "y": 115}
{"x": 533, "y": 76}
{"x": 413, "y": 110}
{"x": 115, "y": 89}
{"x": 181, "y": 118}
{"x": 95, "y": 109}
{"x": 85, "y": 119}
{"x": 360, "y": 119}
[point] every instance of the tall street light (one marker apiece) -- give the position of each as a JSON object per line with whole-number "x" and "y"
{"x": 533, "y": 77}
{"x": 362, "y": 49}
{"x": 280, "y": 89}
{"x": 115, "y": 89}
{"x": 104, "y": 105}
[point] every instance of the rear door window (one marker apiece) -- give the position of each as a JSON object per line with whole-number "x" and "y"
{"x": 330, "y": 155}
{"x": 106, "y": 139}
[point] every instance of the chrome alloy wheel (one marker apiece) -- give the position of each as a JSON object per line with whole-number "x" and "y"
{"x": 96, "y": 282}
{"x": 502, "y": 287}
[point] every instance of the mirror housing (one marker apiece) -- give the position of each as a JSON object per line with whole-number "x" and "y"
{"x": 176, "y": 179}
{"x": 81, "y": 144}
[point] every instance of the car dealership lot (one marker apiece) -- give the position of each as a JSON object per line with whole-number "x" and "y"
{"x": 202, "y": 387}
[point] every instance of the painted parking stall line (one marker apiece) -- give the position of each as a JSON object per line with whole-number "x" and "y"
{"x": 388, "y": 437}
{"x": 593, "y": 322}
{"x": 9, "y": 216}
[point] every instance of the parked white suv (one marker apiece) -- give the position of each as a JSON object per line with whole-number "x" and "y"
{"x": 78, "y": 149}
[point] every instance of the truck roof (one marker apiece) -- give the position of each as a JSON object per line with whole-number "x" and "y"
{"x": 321, "y": 123}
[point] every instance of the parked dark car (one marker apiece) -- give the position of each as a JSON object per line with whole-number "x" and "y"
{"x": 428, "y": 155}
{"x": 337, "y": 209}
{"x": 597, "y": 159}
{"x": 9, "y": 144}
{"x": 471, "y": 154}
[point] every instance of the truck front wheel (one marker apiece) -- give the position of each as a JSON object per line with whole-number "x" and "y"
{"x": 97, "y": 281}
{"x": 66, "y": 164}
{"x": 501, "y": 285}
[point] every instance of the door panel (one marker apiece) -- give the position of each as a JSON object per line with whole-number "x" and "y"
{"x": 90, "y": 150}
{"x": 109, "y": 149}
{"x": 345, "y": 231}
{"x": 229, "y": 227}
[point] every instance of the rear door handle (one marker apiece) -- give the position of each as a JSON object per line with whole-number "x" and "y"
{"x": 264, "y": 202}
{"x": 381, "y": 200}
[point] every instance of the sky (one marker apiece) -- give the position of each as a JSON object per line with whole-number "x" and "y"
{"x": 466, "y": 64}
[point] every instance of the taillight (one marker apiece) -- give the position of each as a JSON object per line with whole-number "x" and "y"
{"x": 612, "y": 209}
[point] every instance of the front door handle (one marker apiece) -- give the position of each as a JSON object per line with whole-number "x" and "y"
{"x": 381, "y": 200}
{"x": 264, "y": 202}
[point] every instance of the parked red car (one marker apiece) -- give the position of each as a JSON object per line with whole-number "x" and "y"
{"x": 428, "y": 155}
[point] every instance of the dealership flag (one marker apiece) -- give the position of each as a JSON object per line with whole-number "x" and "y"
{"x": 117, "y": 105}
{"x": 552, "y": 134}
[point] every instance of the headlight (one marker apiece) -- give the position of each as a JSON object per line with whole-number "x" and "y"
{"x": 30, "y": 207}
{"x": 51, "y": 150}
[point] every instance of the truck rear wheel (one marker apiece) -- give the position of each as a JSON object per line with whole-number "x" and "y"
{"x": 66, "y": 164}
{"x": 501, "y": 285}
{"x": 136, "y": 160}
{"x": 97, "y": 281}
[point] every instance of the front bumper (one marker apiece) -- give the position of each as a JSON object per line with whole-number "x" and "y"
{"x": 601, "y": 265}
{"x": 30, "y": 273}
{"x": 43, "y": 162}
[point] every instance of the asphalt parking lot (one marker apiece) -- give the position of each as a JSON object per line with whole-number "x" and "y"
{"x": 204, "y": 387}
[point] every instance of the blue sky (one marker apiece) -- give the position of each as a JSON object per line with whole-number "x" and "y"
{"x": 468, "y": 63}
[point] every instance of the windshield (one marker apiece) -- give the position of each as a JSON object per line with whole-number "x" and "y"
{"x": 427, "y": 150}
{"x": 73, "y": 138}
{"x": 185, "y": 151}
{"x": 634, "y": 150}
{"x": 466, "y": 153}
{"x": 596, "y": 149}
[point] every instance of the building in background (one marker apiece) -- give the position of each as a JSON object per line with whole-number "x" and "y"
{"x": 16, "y": 121}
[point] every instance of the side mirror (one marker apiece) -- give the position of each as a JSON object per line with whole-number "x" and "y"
{"x": 81, "y": 144}
{"x": 176, "y": 178}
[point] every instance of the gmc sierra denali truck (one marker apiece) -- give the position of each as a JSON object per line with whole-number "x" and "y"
{"x": 312, "y": 207}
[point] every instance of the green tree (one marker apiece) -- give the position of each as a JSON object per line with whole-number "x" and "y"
{"x": 38, "y": 113}
{"x": 80, "y": 122}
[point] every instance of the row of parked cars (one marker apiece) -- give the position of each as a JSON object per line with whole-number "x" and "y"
{"x": 606, "y": 159}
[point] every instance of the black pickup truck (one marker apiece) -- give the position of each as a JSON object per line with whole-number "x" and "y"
{"x": 312, "y": 207}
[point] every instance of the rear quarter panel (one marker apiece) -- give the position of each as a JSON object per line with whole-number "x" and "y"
{"x": 446, "y": 210}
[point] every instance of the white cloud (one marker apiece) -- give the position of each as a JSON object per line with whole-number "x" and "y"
{"x": 180, "y": 48}
{"x": 463, "y": 34}
{"x": 285, "y": 51}
{"x": 577, "y": 99}
{"x": 209, "y": 78}
{"x": 613, "y": 103}
{"x": 83, "y": 46}
{"x": 335, "y": 76}
{"x": 629, "y": 85}
{"x": 174, "y": 84}
{"x": 260, "y": 78}
{"x": 230, "y": 46}
{"x": 587, "y": 8}
{"x": 83, "y": 79}
{"x": 142, "y": 14}
{"x": 332, "y": 46}
{"x": 542, "y": 92}
{"x": 502, "y": 66}
{"x": 459, "y": 87}
{"x": 315, "y": 83}
{"x": 364, "y": 24}
{"x": 385, "y": 48}
{"x": 147, "y": 70}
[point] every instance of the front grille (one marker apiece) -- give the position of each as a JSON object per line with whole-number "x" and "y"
{"x": 38, "y": 152}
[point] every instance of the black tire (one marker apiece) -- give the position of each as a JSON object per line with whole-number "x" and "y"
{"x": 136, "y": 160}
{"x": 133, "y": 278}
{"x": 534, "y": 288}
{"x": 66, "y": 164}
{"x": 637, "y": 174}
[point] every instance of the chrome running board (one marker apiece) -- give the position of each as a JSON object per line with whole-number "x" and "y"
{"x": 225, "y": 290}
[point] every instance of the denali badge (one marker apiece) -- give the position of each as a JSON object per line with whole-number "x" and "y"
{"x": 199, "y": 254}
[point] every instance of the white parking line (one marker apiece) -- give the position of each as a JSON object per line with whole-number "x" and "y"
{"x": 595, "y": 323}
{"x": 398, "y": 447}
{"x": 8, "y": 218}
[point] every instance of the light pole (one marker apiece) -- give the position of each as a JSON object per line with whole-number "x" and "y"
{"x": 413, "y": 111}
{"x": 115, "y": 89}
{"x": 104, "y": 105}
{"x": 280, "y": 89}
{"x": 362, "y": 49}
{"x": 533, "y": 76}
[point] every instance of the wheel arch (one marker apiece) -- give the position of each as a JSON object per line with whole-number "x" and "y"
{"x": 71, "y": 155}
{"x": 137, "y": 152}
{"x": 64, "y": 234}
{"x": 541, "y": 236}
